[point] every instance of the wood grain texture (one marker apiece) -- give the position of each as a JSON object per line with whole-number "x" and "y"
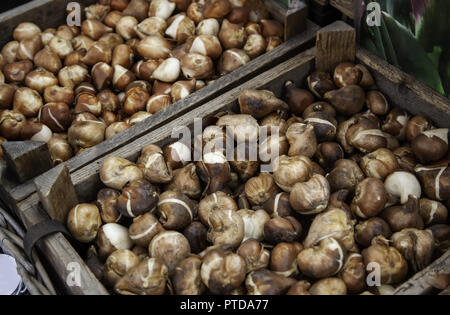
{"x": 294, "y": 18}
{"x": 16, "y": 193}
{"x": 347, "y": 7}
{"x": 335, "y": 43}
{"x": 419, "y": 284}
{"x": 26, "y": 159}
{"x": 56, "y": 192}
{"x": 405, "y": 91}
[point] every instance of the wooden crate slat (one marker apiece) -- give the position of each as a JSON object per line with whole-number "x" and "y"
{"x": 420, "y": 282}
{"x": 322, "y": 2}
{"x": 335, "y": 43}
{"x": 56, "y": 192}
{"x": 347, "y": 7}
{"x": 402, "y": 88}
{"x": 27, "y": 159}
{"x": 293, "y": 17}
{"x": 445, "y": 291}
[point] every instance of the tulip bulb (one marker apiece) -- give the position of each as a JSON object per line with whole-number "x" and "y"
{"x": 126, "y": 27}
{"x": 208, "y": 27}
{"x": 154, "y": 47}
{"x": 168, "y": 70}
{"x": 94, "y": 29}
{"x": 207, "y": 45}
{"x": 231, "y": 35}
{"x": 393, "y": 266}
{"x": 181, "y": 28}
{"x": 137, "y": 8}
{"x": 403, "y": 184}
{"x": 196, "y": 66}
{"x": 151, "y": 26}
{"x": 149, "y": 277}
{"x": 161, "y": 8}
{"x": 416, "y": 246}
{"x": 231, "y": 60}
{"x": 26, "y": 30}
{"x": 48, "y": 60}
{"x": 259, "y": 103}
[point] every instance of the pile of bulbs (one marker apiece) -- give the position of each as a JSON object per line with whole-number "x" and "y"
{"x": 357, "y": 183}
{"x": 73, "y": 87}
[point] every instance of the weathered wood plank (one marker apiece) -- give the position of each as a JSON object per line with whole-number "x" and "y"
{"x": 347, "y": 7}
{"x": 420, "y": 283}
{"x": 225, "y": 83}
{"x": 335, "y": 43}
{"x": 405, "y": 91}
{"x": 56, "y": 192}
{"x": 26, "y": 159}
{"x": 294, "y": 18}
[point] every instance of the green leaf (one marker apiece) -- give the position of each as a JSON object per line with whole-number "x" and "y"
{"x": 389, "y": 47}
{"x": 401, "y": 11}
{"x": 411, "y": 56}
{"x": 444, "y": 70}
{"x": 371, "y": 38}
{"x": 368, "y": 43}
{"x": 435, "y": 55}
{"x": 433, "y": 28}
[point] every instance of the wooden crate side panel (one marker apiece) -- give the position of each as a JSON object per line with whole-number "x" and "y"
{"x": 421, "y": 282}
{"x": 347, "y": 7}
{"x": 406, "y": 92}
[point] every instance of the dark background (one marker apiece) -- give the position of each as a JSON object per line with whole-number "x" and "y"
{"x": 9, "y": 4}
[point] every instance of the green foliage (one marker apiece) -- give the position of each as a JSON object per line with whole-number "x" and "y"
{"x": 435, "y": 25}
{"x": 420, "y": 49}
{"x": 444, "y": 70}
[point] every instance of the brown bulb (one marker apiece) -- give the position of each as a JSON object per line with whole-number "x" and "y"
{"x": 393, "y": 266}
{"x": 297, "y": 99}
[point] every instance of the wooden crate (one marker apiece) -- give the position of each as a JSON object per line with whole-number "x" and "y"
{"x": 50, "y": 13}
{"x": 402, "y": 90}
{"x": 347, "y": 7}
